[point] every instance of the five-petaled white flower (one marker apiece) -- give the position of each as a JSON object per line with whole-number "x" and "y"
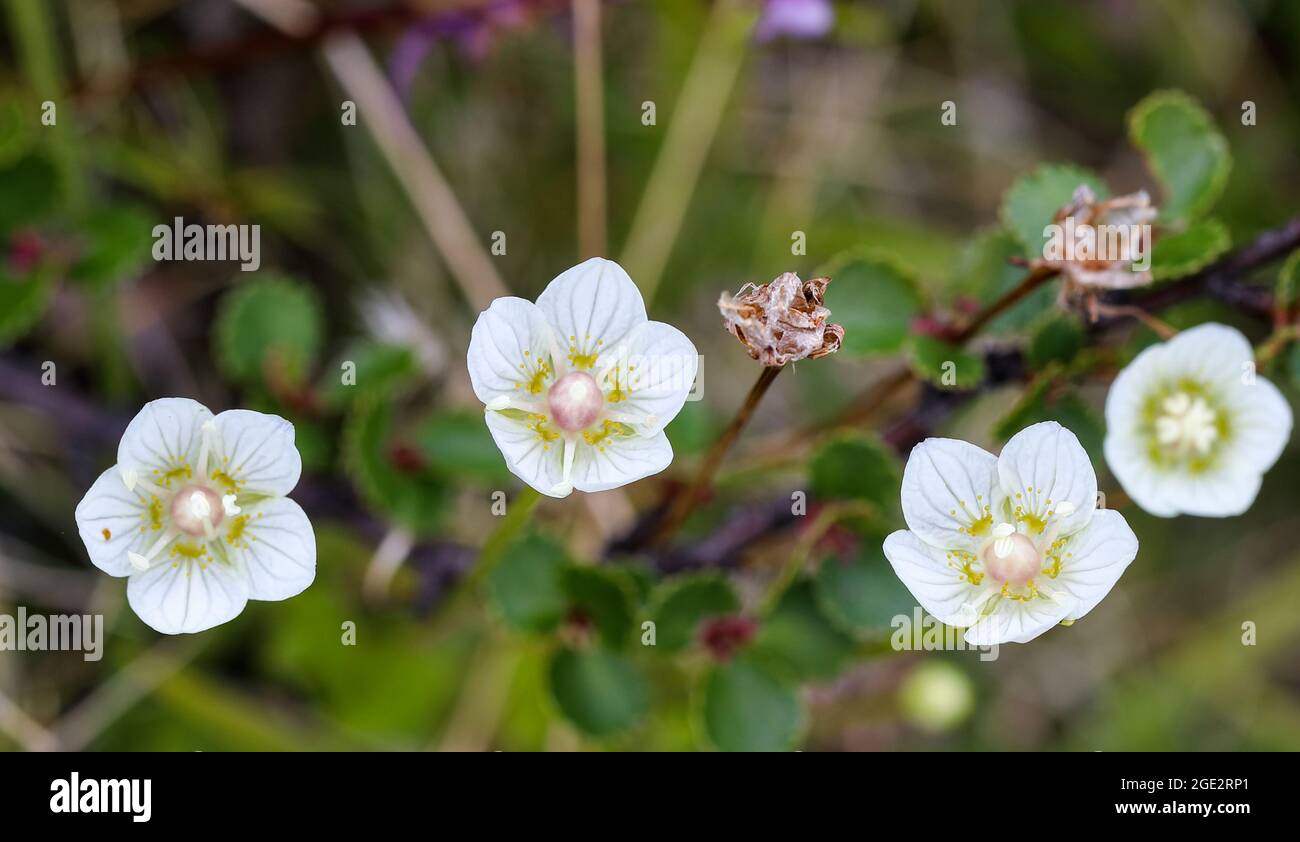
{"x": 194, "y": 513}
{"x": 1190, "y": 428}
{"x": 1007, "y": 546}
{"x": 579, "y": 386}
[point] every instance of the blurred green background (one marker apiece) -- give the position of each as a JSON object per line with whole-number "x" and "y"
{"x": 724, "y": 138}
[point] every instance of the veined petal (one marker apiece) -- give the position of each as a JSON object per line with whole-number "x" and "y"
{"x": 113, "y": 521}
{"x": 533, "y": 448}
{"x": 1260, "y": 422}
{"x": 1150, "y": 486}
{"x": 186, "y": 596}
{"x": 1093, "y": 559}
{"x": 1226, "y": 490}
{"x": 936, "y": 580}
{"x": 614, "y": 460}
{"x": 254, "y": 453}
{"x": 510, "y": 351}
{"x": 948, "y": 493}
{"x": 594, "y": 306}
{"x": 273, "y": 542}
{"x": 1019, "y": 621}
{"x": 1210, "y": 353}
{"x": 651, "y": 375}
{"x": 162, "y": 438}
{"x": 1048, "y": 478}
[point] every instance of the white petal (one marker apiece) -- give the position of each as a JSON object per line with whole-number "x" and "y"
{"x": 112, "y": 522}
{"x": 593, "y": 306}
{"x": 510, "y": 351}
{"x": 948, "y": 492}
{"x": 276, "y": 547}
{"x": 183, "y": 597}
{"x": 619, "y": 460}
{"x": 1259, "y": 424}
{"x": 1226, "y": 490}
{"x": 528, "y": 454}
{"x": 1209, "y": 353}
{"x": 162, "y": 437}
{"x": 1097, "y": 556}
{"x": 1149, "y": 486}
{"x": 942, "y": 590}
{"x": 1045, "y": 462}
{"x": 257, "y": 452}
{"x": 1016, "y": 621}
{"x": 652, "y": 375}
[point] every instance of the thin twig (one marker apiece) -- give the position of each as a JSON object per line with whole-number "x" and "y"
{"x": 681, "y": 506}
{"x": 1033, "y": 279}
{"x": 24, "y": 730}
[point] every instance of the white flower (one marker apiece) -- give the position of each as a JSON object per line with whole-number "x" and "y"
{"x": 580, "y": 385}
{"x": 1190, "y": 428}
{"x": 1007, "y": 546}
{"x": 194, "y": 513}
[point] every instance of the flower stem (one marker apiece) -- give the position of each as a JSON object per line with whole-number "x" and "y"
{"x": 681, "y": 506}
{"x": 1035, "y": 278}
{"x": 516, "y": 518}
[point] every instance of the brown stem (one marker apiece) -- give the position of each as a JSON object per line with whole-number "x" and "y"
{"x": 1035, "y": 278}
{"x": 681, "y": 506}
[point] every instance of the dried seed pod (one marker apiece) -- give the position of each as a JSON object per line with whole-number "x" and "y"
{"x": 782, "y": 321}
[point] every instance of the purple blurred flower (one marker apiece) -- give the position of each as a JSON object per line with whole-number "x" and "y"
{"x": 801, "y": 19}
{"x": 473, "y": 31}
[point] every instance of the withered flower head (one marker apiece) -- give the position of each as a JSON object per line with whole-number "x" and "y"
{"x": 1100, "y": 245}
{"x": 782, "y": 321}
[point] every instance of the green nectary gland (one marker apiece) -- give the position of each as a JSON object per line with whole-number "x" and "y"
{"x": 1167, "y": 459}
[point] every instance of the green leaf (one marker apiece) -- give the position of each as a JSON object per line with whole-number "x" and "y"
{"x": 1293, "y": 364}
{"x": 527, "y": 585}
{"x": 32, "y": 190}
{"x": 268, "y": 324}
{"x": 1033, "y": 200}
{"x": 1186, "y": 252}
{"x": 376, "y": 367}
{"x": 23, "y": 300}
{"x": 605, "y": 596}
{"x": 117, "y": 243}
{"x": 680, "y": 605}
{"x": 944, "y": 365}
{"x": 602, "y": 693}
{"x": 875, "y": 300}
{"x": 1057, "y": 339}
{"x": 1184, "y": 150}
{"x": 693, "y": 430}
{"x": 745, "y": 708}
{"x": 16, "y": 125}
{"x": 458, "y": 445}
{"x": 855, "y": 467}
{"x": 862, "y": 594}
{"x": 414, "y": 498}
{"x": 798, "y": 641}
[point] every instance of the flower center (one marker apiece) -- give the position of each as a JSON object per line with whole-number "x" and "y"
{"x": 1187, "y": 424}
{"x": 575, "y": 401}
{"x": 196, "y": 509}
{"x": 1011, "y": 557}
